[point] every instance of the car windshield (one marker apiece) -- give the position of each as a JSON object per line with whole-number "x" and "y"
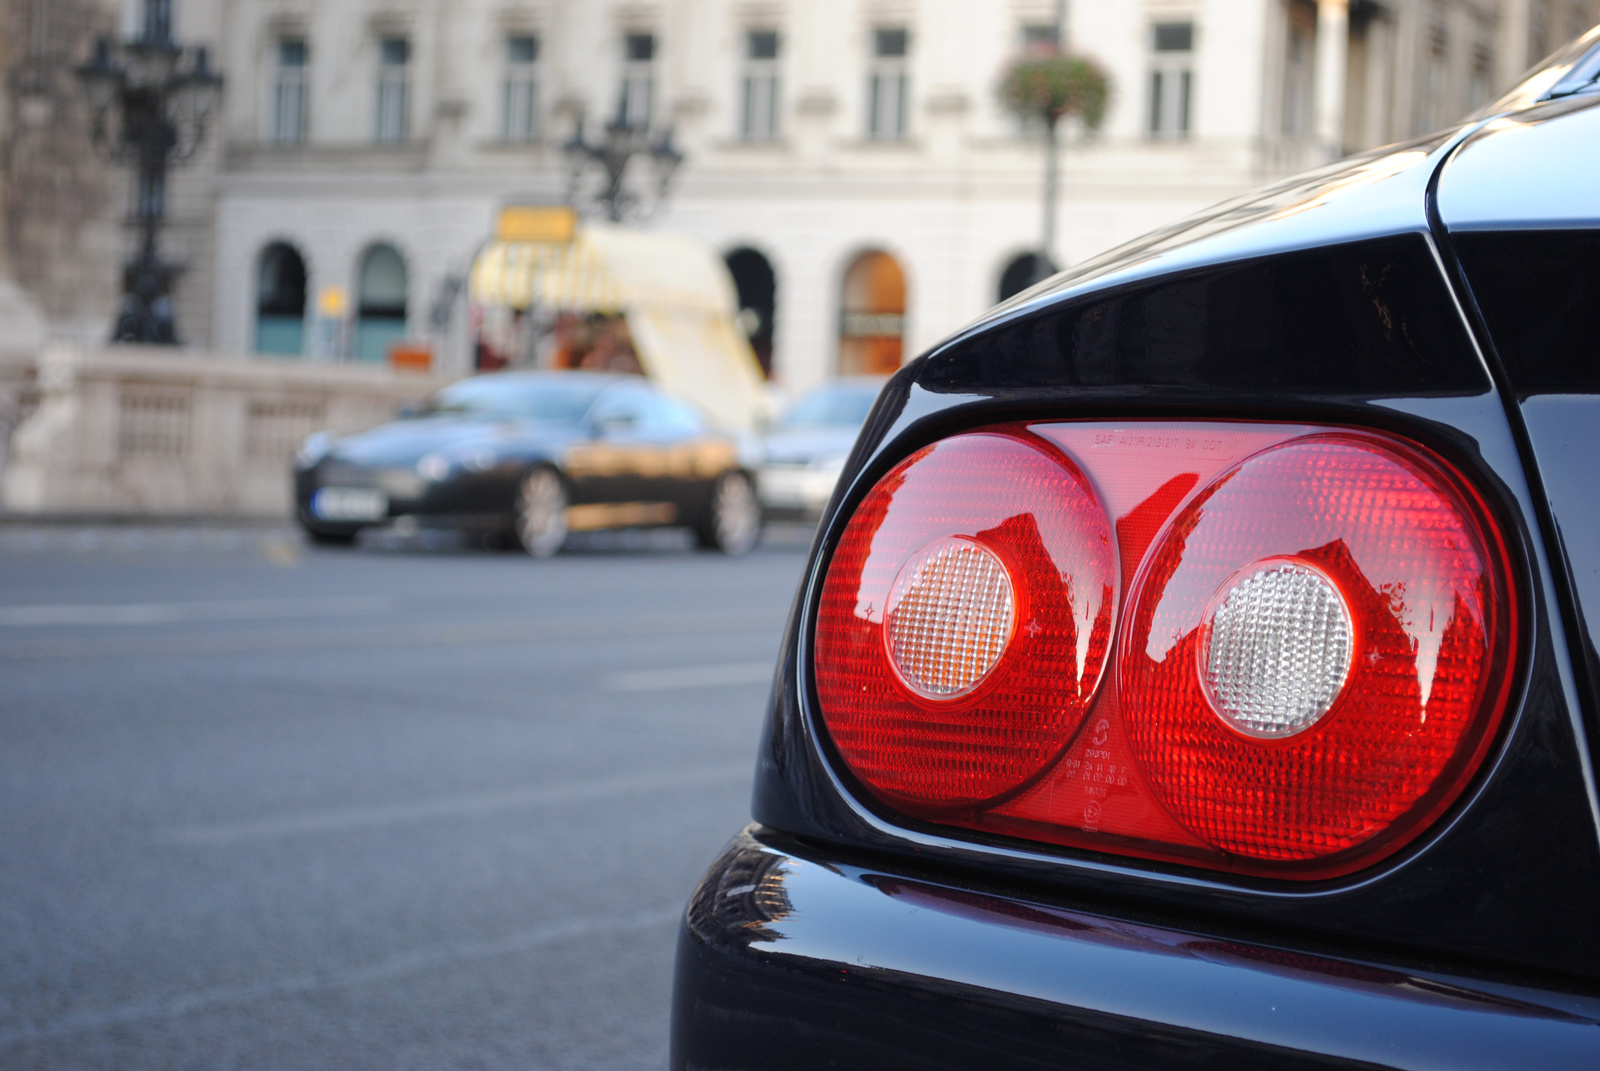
{"x": 507, "y": 398}
{"x": 831, "y": 407}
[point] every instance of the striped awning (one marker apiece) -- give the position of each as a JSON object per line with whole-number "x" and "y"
{"x": 525, "y": 274}
{"x": 676, "y": 294}
{"x": 603, "y": 269}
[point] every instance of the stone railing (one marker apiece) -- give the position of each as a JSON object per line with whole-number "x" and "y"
{"x": 138, "y": 433}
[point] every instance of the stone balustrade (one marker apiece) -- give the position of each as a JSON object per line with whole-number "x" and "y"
{"x": 153, "y": 433}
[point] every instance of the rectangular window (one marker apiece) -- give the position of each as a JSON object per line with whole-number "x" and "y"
{"x": 289, "y": 93}
{"x": 1039, "y": 37}
{"x": 758, "y": 119}
{"x": 887, "y": 85}
{"x": 636, "y": 100}
{"x": 157, "y": 19}
{"x": 1171, "y": 79}
{"x": 521, "y": 119}
{"x": 394, "y": 89}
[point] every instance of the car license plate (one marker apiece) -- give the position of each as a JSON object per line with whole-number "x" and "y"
{"x": 349, "y": 504}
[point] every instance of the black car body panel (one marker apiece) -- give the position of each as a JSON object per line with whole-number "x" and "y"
{"x": 1533, "y": 153}
{"x": 659, "y": 460}
{"x": 796, "y": 957}
{"x": 1531, "y": 270}
{"x": 1348, "y": 297}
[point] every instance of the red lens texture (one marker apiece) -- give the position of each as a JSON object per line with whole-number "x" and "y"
{"x": 1423, "y": 593}
{"x": 977, "y": 504}
{"x": 1151, "y": 763}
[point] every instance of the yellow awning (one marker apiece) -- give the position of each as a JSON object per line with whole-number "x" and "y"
{"x": 570, "y": 275}
{"x": 676, "y": 294}
{"x": 604, "y": 269}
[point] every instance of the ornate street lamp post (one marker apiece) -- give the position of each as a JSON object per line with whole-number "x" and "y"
{"x": 151, "y": 110}
{"x": 609, "y": 162}
{"x": 1047, "y": 86}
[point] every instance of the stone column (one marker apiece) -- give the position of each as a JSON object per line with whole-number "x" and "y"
{"x": 1333, "y": 47}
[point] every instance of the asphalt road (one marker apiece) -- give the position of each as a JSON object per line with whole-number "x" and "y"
{"x": 270, "y": 807}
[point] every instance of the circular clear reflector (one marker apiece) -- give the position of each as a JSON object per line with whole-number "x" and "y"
{"x": 950, "y": 616}
{"x": 1278, "y": 650}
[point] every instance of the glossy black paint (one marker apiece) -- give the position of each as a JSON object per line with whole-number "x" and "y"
{"x": 1365, "y": 318}
{"x": 1529, "y": 272}
{"x": 1533, "y": 170}
{"x": 387, "y": 457}
{"x": 795, "y": 957}
{"x": 1564, "y": 430}
{"x": 1339, "y": 297}
{"x": 600, "y": 458}
{"x": 1540, "y": 296}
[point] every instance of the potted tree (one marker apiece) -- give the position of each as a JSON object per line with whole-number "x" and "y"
{"x": 1048, "y": 85}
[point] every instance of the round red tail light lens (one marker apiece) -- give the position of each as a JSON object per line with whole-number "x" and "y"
{"x": 965, "y": 621}
{"x": 1317, "y": 647}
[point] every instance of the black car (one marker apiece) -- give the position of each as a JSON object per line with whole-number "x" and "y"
{"x": 530, "y": 456}
{"x": 1193, "y": 668}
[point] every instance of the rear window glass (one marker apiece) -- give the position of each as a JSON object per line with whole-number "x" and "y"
{"x": 507, "y": 398}
{"x": 1540, "y": 293}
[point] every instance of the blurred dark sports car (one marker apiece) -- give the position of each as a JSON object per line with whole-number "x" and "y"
{"x": 531, "y": 456}
{"x": 1195, "y": 666}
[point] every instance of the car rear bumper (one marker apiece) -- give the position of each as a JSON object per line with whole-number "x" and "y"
{"x": 790, "y": 960}
{"x": 795, "y": 490}
{"x": 467, "y": 502}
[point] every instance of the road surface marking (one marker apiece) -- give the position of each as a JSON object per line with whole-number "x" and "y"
{"x": 347, "y": 818}
{"x": 97, "y": 615}
{"x": 399, "y": 966}
{"x": 357, "y": 635}
{"x": 654, "y": 680}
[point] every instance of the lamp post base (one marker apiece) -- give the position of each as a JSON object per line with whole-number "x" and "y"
{"x": 146, "y": 315}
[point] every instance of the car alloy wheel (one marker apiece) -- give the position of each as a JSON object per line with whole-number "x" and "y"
{"x": 735, "y": 521}
{"x": 541, "y": 513}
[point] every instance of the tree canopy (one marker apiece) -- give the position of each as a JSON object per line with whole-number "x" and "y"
{"x": 1054, "y": 86}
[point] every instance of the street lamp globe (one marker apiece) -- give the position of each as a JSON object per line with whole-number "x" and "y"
{"x": 618, "y": 196}
{"x": 576, "y": 150}
{"x": 199, "y": 90}
{"x": 150, "y": 63}
{"x": 101, "y": 80}
{"x": 668, "y": 159}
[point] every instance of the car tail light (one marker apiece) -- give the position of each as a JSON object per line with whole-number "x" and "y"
{"x": 1312, "y": 660}
{"x": 965, "y": 621}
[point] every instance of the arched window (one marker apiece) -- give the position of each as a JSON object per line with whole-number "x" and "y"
{"x": 380, "y": 303}
{"x": 753, "y": 278}
{"x": 872, "y": 326}
{"x": 281, "y": 301}
{"x": 1022, "y": 271}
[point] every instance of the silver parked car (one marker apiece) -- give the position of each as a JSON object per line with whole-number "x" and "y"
{"x": 807, "y": 448}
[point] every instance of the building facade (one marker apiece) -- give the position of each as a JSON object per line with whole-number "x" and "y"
{"x": 850, "y": 158}
{"x": 66, "y": 218}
